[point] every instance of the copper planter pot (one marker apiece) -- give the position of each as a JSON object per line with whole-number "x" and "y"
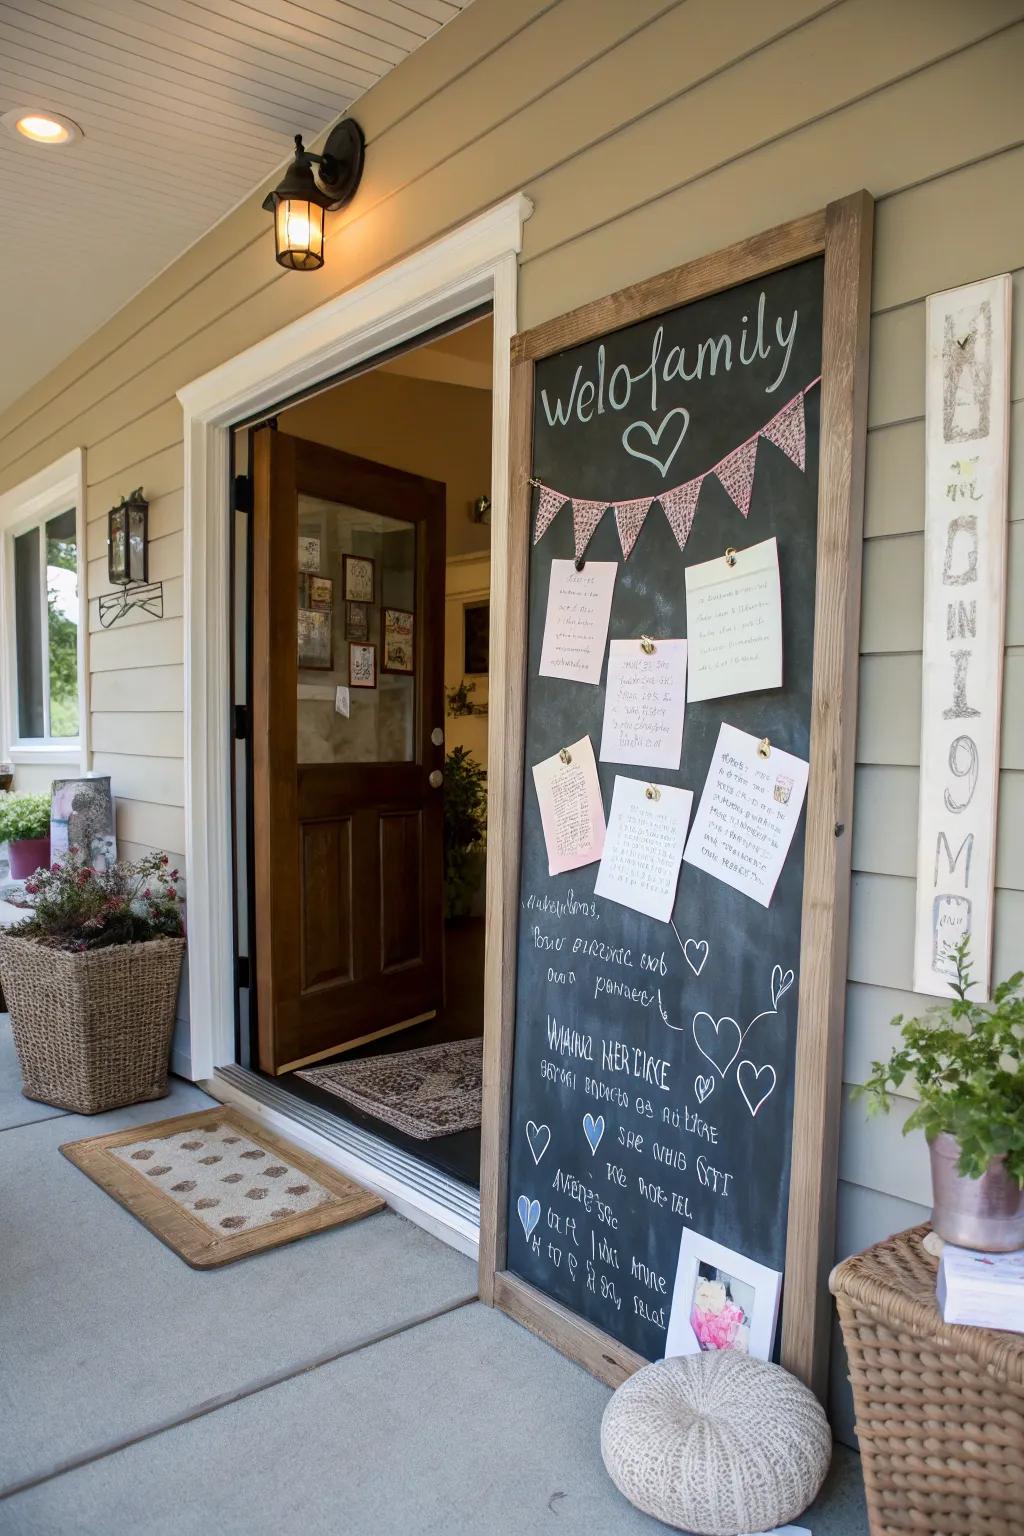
{"x": 985, "y": 1213}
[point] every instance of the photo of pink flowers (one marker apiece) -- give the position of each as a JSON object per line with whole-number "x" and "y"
{"x": 722, "y": 1310}
{"x": 721, "y": 1299}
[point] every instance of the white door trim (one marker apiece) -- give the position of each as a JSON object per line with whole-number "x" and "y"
{"x": 474, "y": 264}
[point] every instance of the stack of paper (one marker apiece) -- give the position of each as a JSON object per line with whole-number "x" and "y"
{"x": 984, "y": 1290}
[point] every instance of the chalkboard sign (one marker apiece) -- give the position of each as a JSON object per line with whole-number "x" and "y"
{"x": 650, "y": 1074}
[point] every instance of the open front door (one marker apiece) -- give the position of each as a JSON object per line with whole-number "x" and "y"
{"x": 348, "y": 594}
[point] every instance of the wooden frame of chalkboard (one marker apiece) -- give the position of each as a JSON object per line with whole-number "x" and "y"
{"x": 841, "y": 234}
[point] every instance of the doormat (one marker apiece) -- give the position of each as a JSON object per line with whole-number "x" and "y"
{"x": 430, "y": 1092}
{"x": 215, "y": 1187}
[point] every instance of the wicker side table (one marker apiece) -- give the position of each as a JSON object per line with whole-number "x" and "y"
{"x": 940, "y": 1409}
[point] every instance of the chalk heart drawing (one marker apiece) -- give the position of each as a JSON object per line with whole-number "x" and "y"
{"x": 695, "y": 953}
{"x": 718, "y": 1040}
{"x": 529, "y": 1213}
{"x": 539, "y": 1137}
{"x": 780, "y": 984}
{"x": 702, "y": 1087}
{"x": 652, "y": 438}
{"x": 756, "y": 1083}
{"x": 593, "y": 1130}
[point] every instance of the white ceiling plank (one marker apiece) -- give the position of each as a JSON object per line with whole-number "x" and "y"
{"x": 232, "y": 20}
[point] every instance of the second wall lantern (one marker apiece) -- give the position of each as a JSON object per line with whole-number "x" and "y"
{"x": 301, "y": 200}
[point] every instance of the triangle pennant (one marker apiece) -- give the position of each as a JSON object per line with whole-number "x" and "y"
{"x": 680, "y": 507}
{"x": 548, "y": 503}
{"x": 788, "y": 432}
{"x": 585, "y": 517}
{"x": 736, "y": 474}
{"x": 629, "y": 519}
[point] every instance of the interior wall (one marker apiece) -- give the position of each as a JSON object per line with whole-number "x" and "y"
{"x": 647, "y": 133}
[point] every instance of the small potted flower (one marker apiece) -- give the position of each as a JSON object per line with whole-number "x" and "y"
{"x": 967, "y": 1062}
{"x": 91, "y": 981}
{"x": 25, "y": 826}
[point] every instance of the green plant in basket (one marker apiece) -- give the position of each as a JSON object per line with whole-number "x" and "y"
{"x": 24, "y": 817}
{"x": 465, "y": 828}
{"x": 967, "y": 1061}
{"x": 76, "y": 907}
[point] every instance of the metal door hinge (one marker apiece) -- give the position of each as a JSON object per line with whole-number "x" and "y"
{"x": 241, "y": 722}
{"x": 242, "y": 970}
{"x": 242, "y": 497}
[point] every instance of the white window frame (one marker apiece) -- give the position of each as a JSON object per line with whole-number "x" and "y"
{"x": 55, "y": 489}
{"x": 474, "y": 264}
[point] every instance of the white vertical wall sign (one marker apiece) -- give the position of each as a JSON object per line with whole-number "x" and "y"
{"x": 966, "y": 441}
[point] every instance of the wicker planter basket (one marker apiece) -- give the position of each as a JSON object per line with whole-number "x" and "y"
{"x": 940, "y": 1409}
{"x": 92, "y": 1030}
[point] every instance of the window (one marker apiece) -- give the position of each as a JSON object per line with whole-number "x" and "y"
{"x": 40, "y": 704}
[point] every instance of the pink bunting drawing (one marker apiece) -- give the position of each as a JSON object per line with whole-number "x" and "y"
{"x": 680, "y": 507}
{"x": 736, "y": 474}
{"x": 629, "y": 519}
{"x": 585, "y": 517}
{"x": 786, "y": 430}
{"x": 548, "y": 503}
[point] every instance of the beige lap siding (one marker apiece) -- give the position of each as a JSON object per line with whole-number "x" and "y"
{"x": 646, "y": 133}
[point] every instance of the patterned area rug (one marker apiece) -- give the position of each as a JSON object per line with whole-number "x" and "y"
{"x": 426, "y": 1093}
{"x": 215, "y": 1186}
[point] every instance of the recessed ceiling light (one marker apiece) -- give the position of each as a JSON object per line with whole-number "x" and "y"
{"x": 41, "y": 127}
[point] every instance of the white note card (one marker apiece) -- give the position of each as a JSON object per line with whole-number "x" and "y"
{"x": 571, "y": 808}
{"x": 644, "y": 845}
{"x": 734, "y": 623}
{"x": 342, "y": 701}
{"x": 644, "y": 704}
{"x": 747, "y": 814}
{"x": 576, "y": 623}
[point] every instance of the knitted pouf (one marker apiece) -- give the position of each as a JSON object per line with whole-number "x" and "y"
{"x": 716, "y": 1443}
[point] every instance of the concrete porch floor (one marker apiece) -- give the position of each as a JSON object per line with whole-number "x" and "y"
{"x": 350, "y": 1382}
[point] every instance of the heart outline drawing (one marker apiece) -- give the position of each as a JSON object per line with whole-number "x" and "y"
{"x": 780, "y": 984}
{"x": 529, "y": 1214}
{"x": 757, "y": 1071}
{"x": 703, "y": 1087}
{"x": 655, "y": 437}
{"x": 698, "y": 946}
{"x": 716, "y": 1025}
{"x": 593, "y": 1130}
{"x": 537, "y": 1134}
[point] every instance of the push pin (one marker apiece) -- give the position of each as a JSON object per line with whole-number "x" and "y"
{"x": 764, "y": 747}
{"x": 652, "y": 792}
{"x": 579, "y": 562}
{"x": 647, "y": 645}
{"x": 565, "y": 755}
{"x": 730, "y": 556}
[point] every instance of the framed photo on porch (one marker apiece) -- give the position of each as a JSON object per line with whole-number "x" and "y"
{"x": 476, "y": 629}
{"x": 321, "y": 593}
{"x": 315, "y": 640}
{"x": 399, "y": 654}
{"x": 357, "y": 578}
{"x": 357, "y": 621}
{"x": 721, "y": 1300}
{"x": 362, "y": 666}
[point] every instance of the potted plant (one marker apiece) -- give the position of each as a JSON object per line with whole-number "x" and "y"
{"x": 91, "y": 981}
{"x": 465, "y": 830}
{"x": 25, "y": 826}
{"x": 966, "y": 1061}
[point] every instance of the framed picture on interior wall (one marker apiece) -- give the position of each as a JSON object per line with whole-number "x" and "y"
{"x": 321, "y": 593}
{"x": 362, "y": 666}
{"x": 82, "y": 816}
{"x": 721, "y": 1300}
{"x": 357, "y": 571}
{"x": 357, "y": 621}
{"x": 315, "y": 644}
{"x": 309, "y": 553}
{"x": 476, "y": 619}
{"x": 398, "y": 641}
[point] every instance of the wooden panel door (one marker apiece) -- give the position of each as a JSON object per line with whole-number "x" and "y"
{"x": 348, "y": 593}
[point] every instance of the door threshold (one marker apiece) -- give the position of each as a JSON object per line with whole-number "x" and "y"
{"x": 443, "y": 1206}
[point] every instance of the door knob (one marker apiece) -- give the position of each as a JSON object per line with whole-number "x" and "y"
{"x": 437, "y": 736}
{"x": 436, "y": 779}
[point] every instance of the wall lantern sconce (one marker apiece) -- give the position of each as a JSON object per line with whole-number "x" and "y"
{"x": 128, "y": 562}
{"x": 480, "y": 511}
{"x": 299, "y": 203}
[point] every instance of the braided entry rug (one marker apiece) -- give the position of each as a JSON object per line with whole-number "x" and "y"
{"x": 426, "y": 1093}
{"x": 215, "y": 1186}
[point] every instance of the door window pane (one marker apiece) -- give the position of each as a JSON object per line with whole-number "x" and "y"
{"x": 62, "y": 619}
{"x": 356, "y": 584}
{"x": 28, "y": 636}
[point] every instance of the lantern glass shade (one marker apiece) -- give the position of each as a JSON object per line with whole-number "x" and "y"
{"x": 128, "y": 543}
{"x": 299, "y": 230}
